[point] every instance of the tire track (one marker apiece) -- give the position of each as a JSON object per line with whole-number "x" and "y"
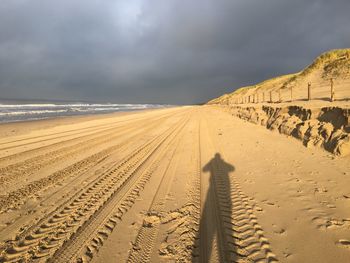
{"x": 17, "y": 197}
{"x": 60, "y": 144}
{"x": 90, "y": 236}
{"x": 181, "y": 243}
{"x": 94, "y": 130}
{"x": 242, "y": 238}
{"x": 110, "y": 127}
{"x": 147, "y": 235}
{"x": 64, "y": 132}
{"x": 51, "y": 232}
{"x": 32, "y": 165}
{"x": 47, "y": 149}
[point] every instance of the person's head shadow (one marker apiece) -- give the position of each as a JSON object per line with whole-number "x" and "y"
{"x": 211, "y": 241}
{"x": 218, "y": 167}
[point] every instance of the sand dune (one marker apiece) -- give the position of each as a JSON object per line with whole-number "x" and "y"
{"x": 328, "y": 76}
{"x": 187, "y": 184}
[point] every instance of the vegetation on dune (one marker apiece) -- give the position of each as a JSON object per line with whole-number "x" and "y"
{"x": 331, "y": 64}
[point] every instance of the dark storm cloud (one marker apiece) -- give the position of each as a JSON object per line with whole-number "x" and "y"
{"x": 159, "y": 51}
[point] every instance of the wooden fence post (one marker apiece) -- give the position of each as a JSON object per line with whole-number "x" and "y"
{"x": 309, "y": 91}
{"x": 263, "y": 97}
{"x": 291, "y": 93}
{"x": 332, "y": 90}
{"x": 279, "y": 95}
{"x": 271, "y": 96}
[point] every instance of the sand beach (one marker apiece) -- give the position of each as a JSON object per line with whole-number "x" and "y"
{"x": 185, "y": 184}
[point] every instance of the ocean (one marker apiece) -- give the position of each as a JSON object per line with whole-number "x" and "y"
{"x": 37, "y": 111}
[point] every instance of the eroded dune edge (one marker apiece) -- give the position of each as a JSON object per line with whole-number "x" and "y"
{"x": 326, "y": 127}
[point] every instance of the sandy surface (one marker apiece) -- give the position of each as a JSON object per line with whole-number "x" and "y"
{"x": 189, "y": 184}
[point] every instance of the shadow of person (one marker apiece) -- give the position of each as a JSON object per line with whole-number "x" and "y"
{"x": 211, "y": 243}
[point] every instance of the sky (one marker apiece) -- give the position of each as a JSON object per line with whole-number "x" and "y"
{"x": 159, "y": 51}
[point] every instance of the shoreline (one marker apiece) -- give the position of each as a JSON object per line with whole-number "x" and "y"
{"x": 6, "y": 128}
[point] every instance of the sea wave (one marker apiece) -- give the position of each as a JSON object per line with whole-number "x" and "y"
{"x": 22, "y": 112}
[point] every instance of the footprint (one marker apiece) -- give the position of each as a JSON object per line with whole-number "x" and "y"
{"x": 258, "y": 208}
{"x": 345, "y": 243}
{"x": 320, "y": 190}
{"x": 321, "y": 223}
{"x": 249, "y": 181}
{"x": 287, "y": 254}
{"x": 278, "y": 230}
{"x": 346, "y": 196}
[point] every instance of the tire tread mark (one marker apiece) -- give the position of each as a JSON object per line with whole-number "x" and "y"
{"x": 15, "y": 198}
{"x": 29, "y": 166}
{"x": 47, "y": 231}
{"x": 181, "y": 243}
{"x": 90, "y": 236}
{"x": 244, "y": 237}
{"x": 141, "y": 250}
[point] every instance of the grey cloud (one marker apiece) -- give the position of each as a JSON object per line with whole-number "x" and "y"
{"x": 159, "y": 51}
